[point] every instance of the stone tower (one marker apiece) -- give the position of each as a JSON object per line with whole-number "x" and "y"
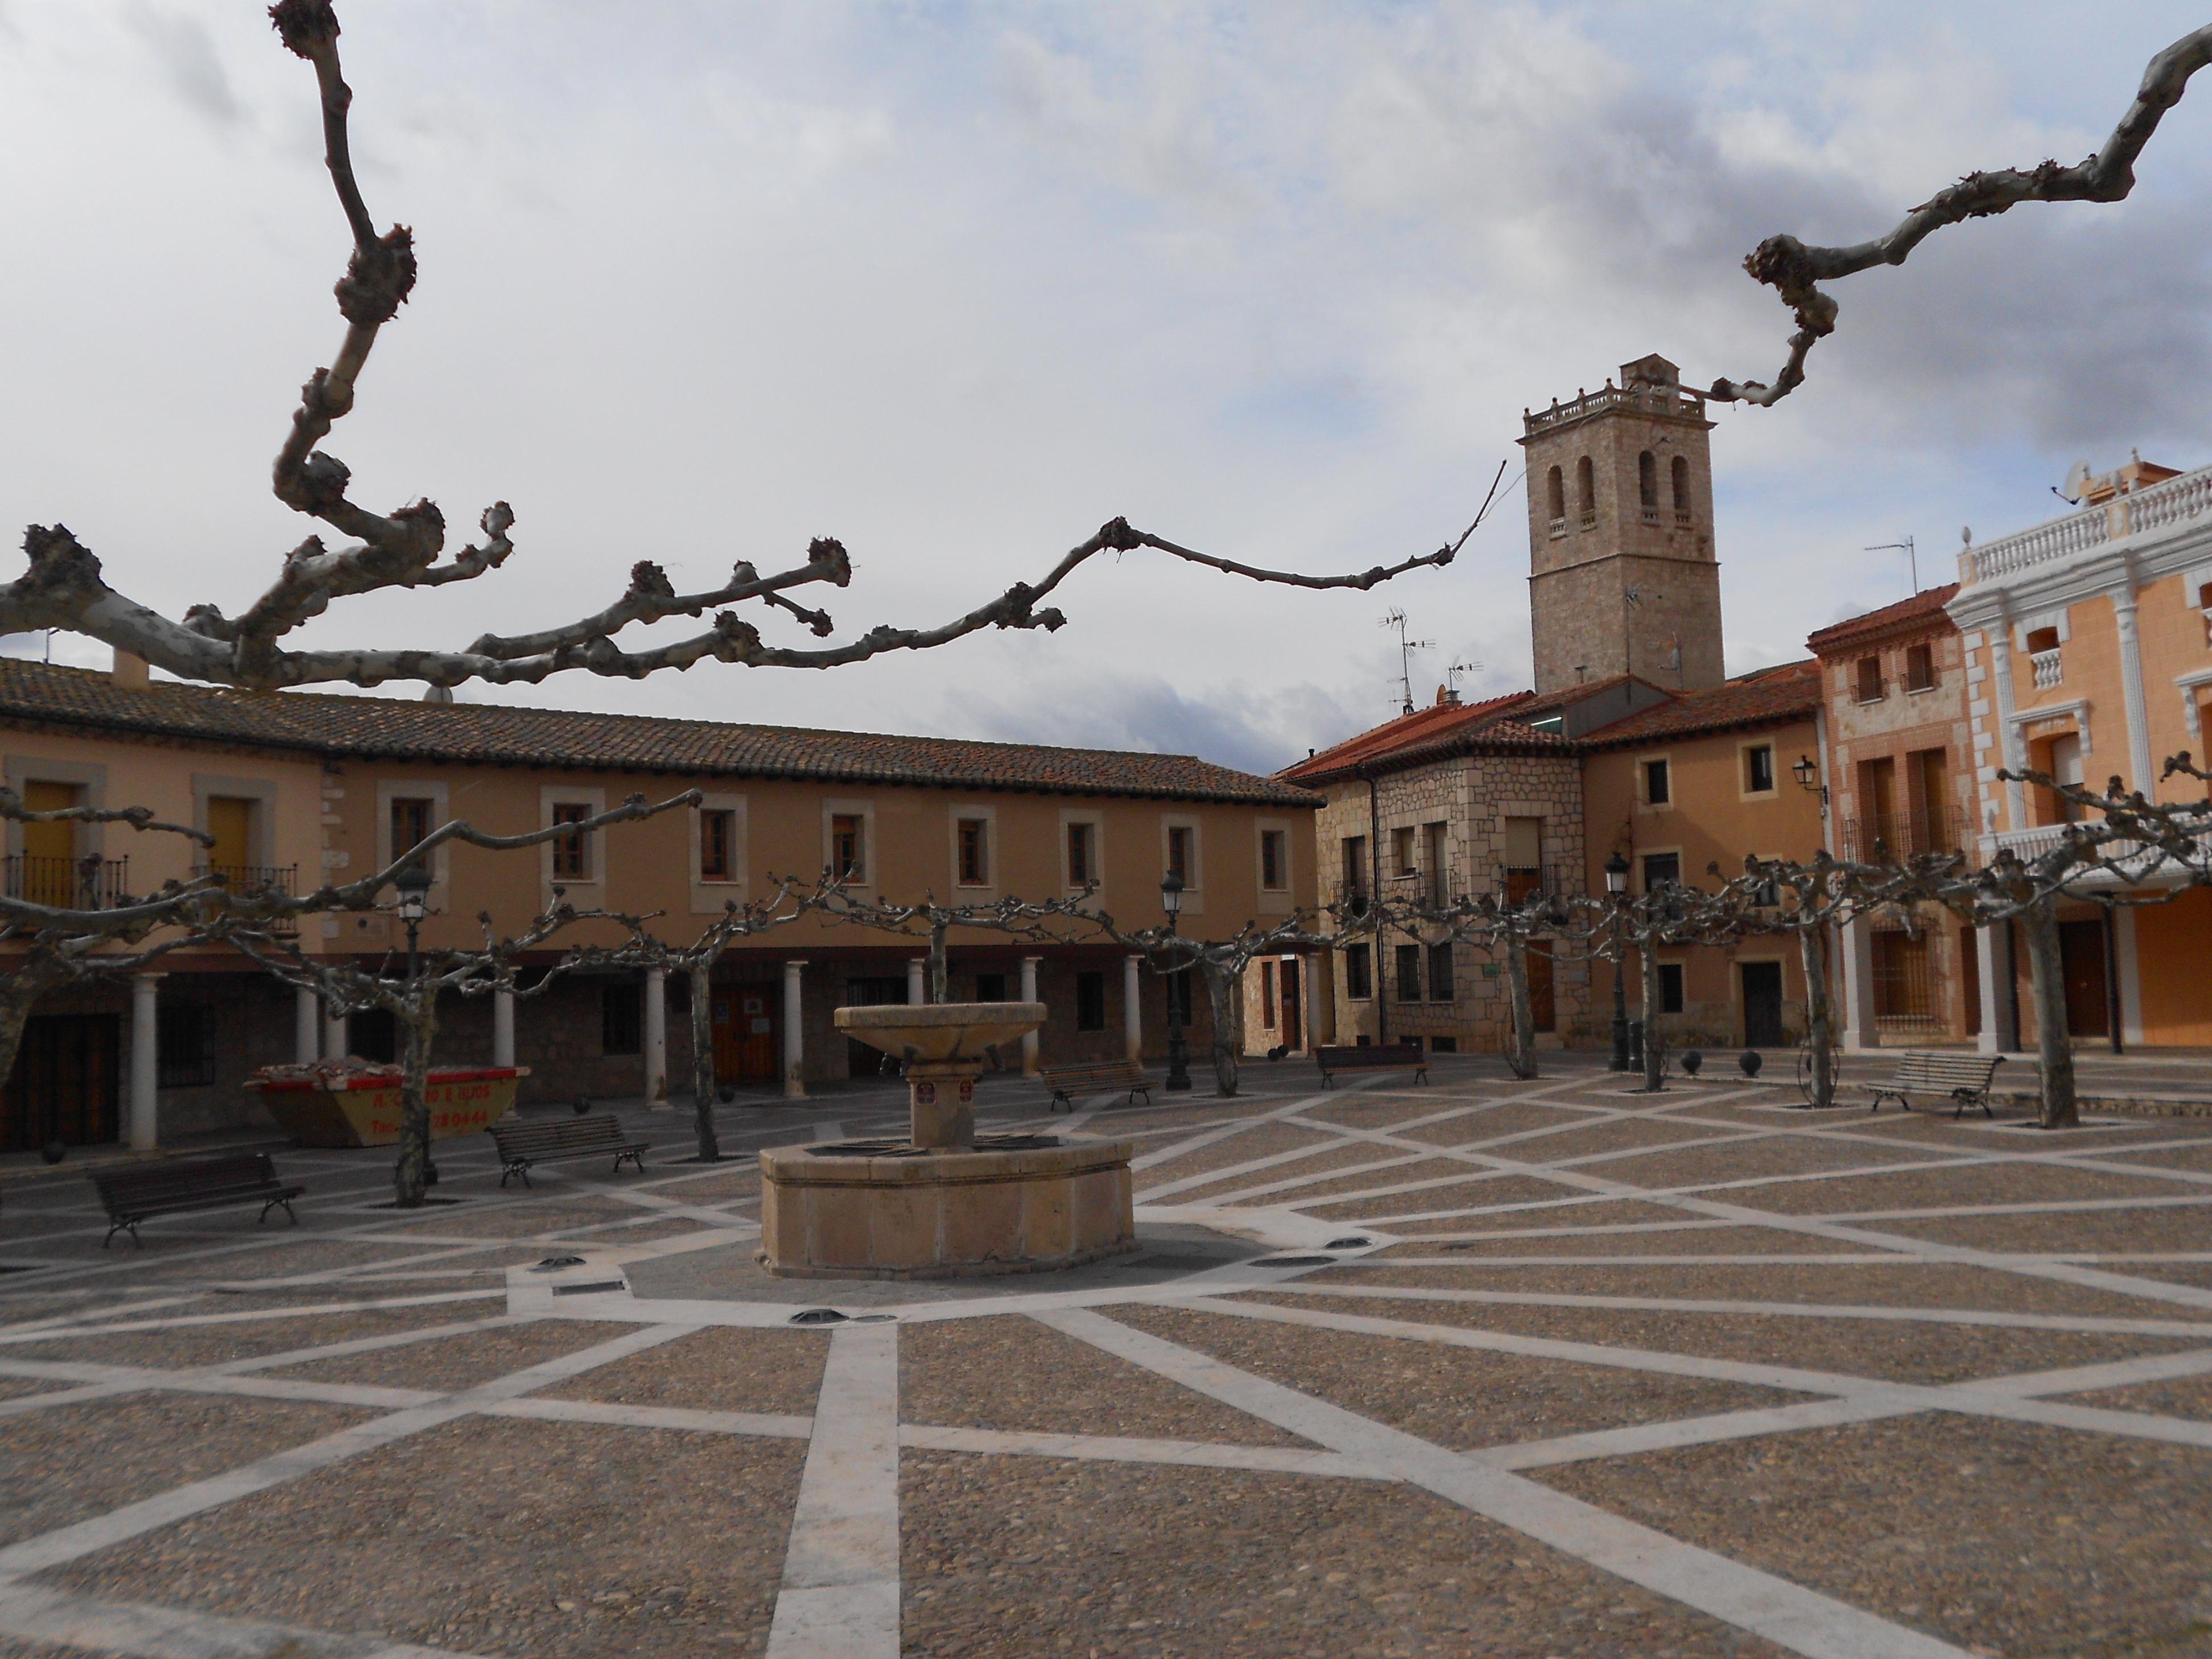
{"x": 1620, "y": 534}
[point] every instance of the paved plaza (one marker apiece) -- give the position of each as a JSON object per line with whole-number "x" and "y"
{"x": 1543, "y": 1367}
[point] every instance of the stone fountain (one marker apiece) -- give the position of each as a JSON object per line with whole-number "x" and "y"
{"x": 945, "y": 1203}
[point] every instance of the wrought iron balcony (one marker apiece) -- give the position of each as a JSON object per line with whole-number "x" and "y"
{"x": 253, "y": 878}
{"x": 1879, "y": 837}
{"x": 86, "y": 883}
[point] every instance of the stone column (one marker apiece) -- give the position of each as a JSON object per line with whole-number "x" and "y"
{"x": 335, "y": 1035}
{"x": 2000, "y": 638}
{"x": 656, "y": 1035}
{"x": 1029, "y": 994}
{"x": 2131, "y": 694}
{"x": 307, "y": 1026}
{"x": 1993, "y": 966}
{"x": 917, "y": 987}
{"x": 145, "y": 1063}
{"x": 502, "y": 1028}
{"x": 1132, "y": 1010}
{"x": 1860, "y": 1031}
{"x": 2123, "y": 949}
{"x": 794, "y": 1036}
{"x": 1316, "y": 1000}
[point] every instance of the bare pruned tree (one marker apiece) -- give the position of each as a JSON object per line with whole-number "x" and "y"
{"x": 1221, "y": 965}
{"x": 696, "y": 961}
{"x": 65, "y": 587}
{"x": 1043, "y": 922}
{"x": 1794, "y": 271}
{"x": 348, "y": 987}
{"x": 1503, "y": 927}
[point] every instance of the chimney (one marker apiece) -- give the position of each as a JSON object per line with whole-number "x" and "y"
{"x": 131, "y": 672}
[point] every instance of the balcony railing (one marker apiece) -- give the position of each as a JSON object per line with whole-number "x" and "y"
{"x": 1881, "y": 836}
{"x": 87, "y": 884}
{"x": 2049, "y": 669}
{"x": 2137, "y": 861}
{"x": 1559, "y": 528}
{"x": 1643, "y": 399}
{"x": 253, "y": 878}
{"x": 2175, "y": 502}
{"x": 1522, "y": 882}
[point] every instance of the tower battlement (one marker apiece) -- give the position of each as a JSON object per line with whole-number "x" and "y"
{"x": 1623, "y": 578}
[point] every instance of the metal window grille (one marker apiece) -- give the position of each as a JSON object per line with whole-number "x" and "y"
{"x": 184, "y": 1032}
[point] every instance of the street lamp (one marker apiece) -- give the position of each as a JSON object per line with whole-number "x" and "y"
{"x": 1178, "y": 1052}
{"x": 1616, "y": 884}
{"x": 413, "y": 885}
{"x": 1806, "y": 774}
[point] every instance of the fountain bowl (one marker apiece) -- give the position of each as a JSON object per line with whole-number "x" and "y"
{"x": 945, "y": 1203}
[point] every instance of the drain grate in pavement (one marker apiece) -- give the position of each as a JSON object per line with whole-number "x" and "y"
{"x": 1294, "y": 1262}
{"x": 586, "y": 1290}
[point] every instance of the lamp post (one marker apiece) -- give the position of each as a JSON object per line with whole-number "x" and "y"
{"x": 413, "y": 885}
{"x": 1178, "y": 1078}
{"x": 1616, "y": 884}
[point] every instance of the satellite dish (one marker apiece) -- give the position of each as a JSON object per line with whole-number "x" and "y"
{"x": 1967, "y": 536}
{"x": 2077, "y": 481}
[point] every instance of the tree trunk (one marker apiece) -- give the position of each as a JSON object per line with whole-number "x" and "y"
{"x": 1820, "y": 1018}
{"x": 1223, "y": 1000}
{"x": 1647, "y": 962}
{"x": 418, "y": 1025}
{"x": 2048, "y": 962}
{"x": 1521, "y": 1057}
{"x": 702, "y": 1059}
{"x": 939, "y": 978}
{"x": 18, "y": 994}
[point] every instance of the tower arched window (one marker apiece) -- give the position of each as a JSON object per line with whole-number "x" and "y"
{"x": 1586, "y": 492}
{"x": 1556, "y": 501}
{"x": 1681, "y": 470}
{"x": 1647, "y": 485}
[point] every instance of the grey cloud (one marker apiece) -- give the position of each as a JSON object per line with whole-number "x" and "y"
{"x": 187, "y": 53}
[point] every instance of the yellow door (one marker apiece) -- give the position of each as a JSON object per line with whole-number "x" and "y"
{"x": 230, "y": 821}
{"x": 49, "y": 873}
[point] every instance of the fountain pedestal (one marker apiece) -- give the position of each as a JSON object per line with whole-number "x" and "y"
{"x": 945, "y": 1203}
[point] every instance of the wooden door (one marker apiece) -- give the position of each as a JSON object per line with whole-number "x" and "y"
{"x": 1762, "y": 1005}
{"x": 1293, "y": 1033}
{"x": 49, "y": 873}
{"x": 745, "y": 1021}
{"x": 230, "y": 821}
{"x": 65, "y": 1084}
{"x": 2081, "y": 946}
{"x": 1543, "y": 1007}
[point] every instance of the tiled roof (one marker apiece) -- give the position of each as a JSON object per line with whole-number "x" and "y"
{"x": 380, "y": 728}
{"x": 1419, "y": 729}
{"x": 1928, "y": 603}
{"x": 1768, "y": 697}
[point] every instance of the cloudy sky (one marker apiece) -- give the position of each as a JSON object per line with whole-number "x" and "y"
{"x": 956, "y": 283}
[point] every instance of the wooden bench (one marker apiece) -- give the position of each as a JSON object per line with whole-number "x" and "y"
{"x": 133, "y": 1192}
{"x": 521, "y": 1145}
{"x": 1372, "y": 1057}
{"x": 1964, "y": 1077}
{"x": 1067, "y": 1082}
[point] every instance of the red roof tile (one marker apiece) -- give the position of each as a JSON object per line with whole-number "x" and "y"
{"x": 1769, "y": 697}
{"x": 1927, "y": 603}
{"x": 1416, "y": 730}
{"x": 382, "y": 728}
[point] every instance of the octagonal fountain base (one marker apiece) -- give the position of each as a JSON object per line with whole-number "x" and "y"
{"x": 1013, "y": 1204}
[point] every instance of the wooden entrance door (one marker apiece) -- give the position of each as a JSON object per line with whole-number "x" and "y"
{"x": 1543, "y": 1007}
{"x": 2082, "y": 946}
{"x": 1293, "y": 1035}
{"x": 1762, "y": 1004}
{"x": 744, "y": 1020}
{"x": 65, "y": 1084}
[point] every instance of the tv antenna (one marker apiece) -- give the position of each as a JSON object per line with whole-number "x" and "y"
{"x": 1406, "y": 648}
{"x": 1452, "y": 674}
{"x": 1905, "y": 547}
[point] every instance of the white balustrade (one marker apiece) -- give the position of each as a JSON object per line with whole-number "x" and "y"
{"x": 2177, "y": 500}
{"x": 2049, "y": 670}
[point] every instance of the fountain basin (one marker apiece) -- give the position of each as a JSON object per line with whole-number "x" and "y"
{"x": 944, "y": 1203}
{"x": 870, "y": 1212}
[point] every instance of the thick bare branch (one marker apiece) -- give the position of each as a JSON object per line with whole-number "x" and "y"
{"x": 1794, "y": 271}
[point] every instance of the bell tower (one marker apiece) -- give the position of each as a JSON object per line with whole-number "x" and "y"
{"x": 1622, "y": 576}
